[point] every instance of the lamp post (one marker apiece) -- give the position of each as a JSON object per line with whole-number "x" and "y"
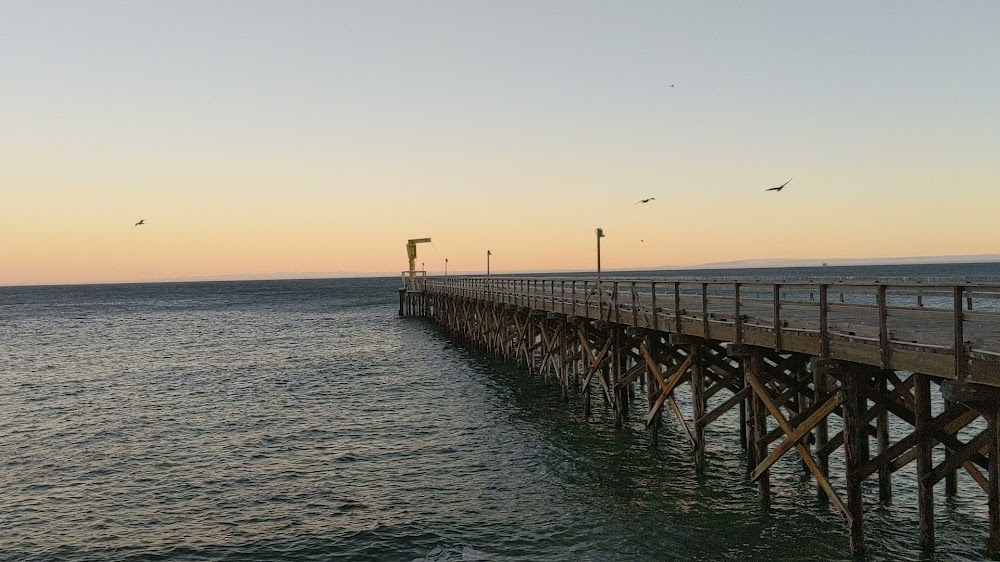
{"x": 600, "y": 290}
{"x": 600, "y": 234}
{"x": 488, "y": 254}
{"x": 446, "y": 268}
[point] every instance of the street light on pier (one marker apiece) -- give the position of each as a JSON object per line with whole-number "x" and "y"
{"x": 600, "y": 234}
{"x": 446, "y": 268}
{"x": 488, "y": 254}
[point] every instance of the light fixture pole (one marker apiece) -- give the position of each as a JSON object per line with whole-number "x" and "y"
{"x": 488, "y": 254}
{"x": 600, "y": 234}
{"x": 446, "y": 268}
{"x": 600, "y": 289}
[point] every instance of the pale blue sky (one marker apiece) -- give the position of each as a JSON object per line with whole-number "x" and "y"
{"x": 468, "y": 121}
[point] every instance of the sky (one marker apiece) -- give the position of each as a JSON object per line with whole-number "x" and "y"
{"x": 258, "y": 138}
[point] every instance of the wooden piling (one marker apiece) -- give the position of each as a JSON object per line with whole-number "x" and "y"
{"x": 951, "y": 478}
{"x": 822, "y": 432}
{"x": 698, "y": 400}
{"x": 925, "y": 490}
{"x": 652, "y": 393}
{"x": 882, "y": 428}
{"x": 993, "y": 491}
{"x": 755, "y": 367}
{"x": 855, "y": 431}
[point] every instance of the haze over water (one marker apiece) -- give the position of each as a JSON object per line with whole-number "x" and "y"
{"x": 303, "y": 420}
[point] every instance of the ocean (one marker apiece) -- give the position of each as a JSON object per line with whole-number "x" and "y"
{"x": 304, "y": 420}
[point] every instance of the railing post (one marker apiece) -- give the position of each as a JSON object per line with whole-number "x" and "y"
{"x": 600, "y": 299}
{"x": 777, "y": 317}
{"x": 562, "y": 296}
{"x": 679, "y": 324}
{"x": 614, "y": 303}
{"x": 959, "y": 334}
{"x": 824, "y": 328}
{"x": 883, "y": 327}
{"x": 704, "y": 310}
{"x": 586, "y": 299}
{"x": 572, "y": 294}
{"x": 737, "y": 315}
{"x": 635, "y": 307}
{"x": 656, "y": 314}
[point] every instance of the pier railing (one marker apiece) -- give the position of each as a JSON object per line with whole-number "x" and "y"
{"x": 413, "y": 280}
{"x": 950, "y": 330}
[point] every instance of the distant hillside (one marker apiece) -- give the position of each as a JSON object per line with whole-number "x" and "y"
{"x": 795, "y": 262}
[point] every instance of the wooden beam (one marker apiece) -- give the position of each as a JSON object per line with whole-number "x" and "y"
{"x": 681, "y": 420}
{"x": 760, "y": 393}
{"x": 957, "y": 458}
{"x": 725, "y": 406}
{"x": 925, "y": 490}
{"x": 666, "y": 386}
{"x": 795, "y": 437}
{"x": 698, "y": 400}
{"x": 882, "y": 428}
{"x": 993, "y": 493}
{"x": 854, "y": 410}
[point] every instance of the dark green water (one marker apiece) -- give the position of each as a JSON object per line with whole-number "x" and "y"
{"x": 303, "y": 420}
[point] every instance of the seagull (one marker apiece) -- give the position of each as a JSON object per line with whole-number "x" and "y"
{"x": 141, "y": 222}
{"x": 671, "y": 85}
{"x": 780, "y": 187}
{"x": 644, "y": 201}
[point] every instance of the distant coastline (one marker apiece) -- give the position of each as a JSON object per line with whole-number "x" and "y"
{"x": 749, "y": 264}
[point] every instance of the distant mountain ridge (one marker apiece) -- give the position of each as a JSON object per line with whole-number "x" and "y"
{"x": 799, "y": 262}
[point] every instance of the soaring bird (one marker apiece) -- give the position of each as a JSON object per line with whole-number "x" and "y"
{"x": 644, "y": 200}
{"x": 141, "y": 222}
{"x": 780, "y": 187}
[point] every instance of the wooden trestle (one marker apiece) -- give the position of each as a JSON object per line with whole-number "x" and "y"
{"x": 785, "y": 397}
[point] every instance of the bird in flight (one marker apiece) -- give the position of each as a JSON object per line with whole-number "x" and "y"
{"x": 671, "y": 85}
{"x": 780, "y": 187}
{"x": 141, "y": 222}
{"x": 644, "y": 201}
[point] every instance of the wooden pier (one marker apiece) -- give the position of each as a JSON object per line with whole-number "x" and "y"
{"x": 789, "y": 355}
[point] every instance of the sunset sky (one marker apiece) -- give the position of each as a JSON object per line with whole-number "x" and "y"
{"x": 264, "y": 137}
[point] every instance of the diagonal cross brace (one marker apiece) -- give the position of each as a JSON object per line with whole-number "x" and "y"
{"x": 667, "y": 386}
{"x": 807, "y": 458}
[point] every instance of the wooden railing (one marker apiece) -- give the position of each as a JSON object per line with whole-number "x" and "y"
{"x": 879, "y": 323}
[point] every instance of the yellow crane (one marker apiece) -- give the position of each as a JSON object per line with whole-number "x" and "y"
{"x": 411, "y": 252}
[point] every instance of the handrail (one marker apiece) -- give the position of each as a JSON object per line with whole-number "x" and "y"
{"x": 924, "y": 282}
{"x": 959, "y": 318}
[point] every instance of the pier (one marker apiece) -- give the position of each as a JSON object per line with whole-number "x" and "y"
{"x": 814, "y": 367}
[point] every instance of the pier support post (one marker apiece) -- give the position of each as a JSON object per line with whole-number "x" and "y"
{"x": 698, "y": 400}
{"x": 820, "y": 391}
{"x": 993, "y": 543}
{"x": 755, "y": 366}
{"x": 652, "y": 393}
{"x": 531, "y": 345}
{"x": 564, "y": 358}
{"x": 882, "y": 428}
{"x": 620, "y": 395}
{"x": 950, "y": 479}
{"x": 855, "y": 432}
{"x": 925, "y": 490}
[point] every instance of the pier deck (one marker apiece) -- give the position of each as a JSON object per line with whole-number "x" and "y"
{"x": 789, "y": 355}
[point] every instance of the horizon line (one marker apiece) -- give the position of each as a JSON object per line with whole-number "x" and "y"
{"x": 750, "y": 263}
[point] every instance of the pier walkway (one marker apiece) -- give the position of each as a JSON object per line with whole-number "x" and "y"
{"x": 792, "y": 355}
